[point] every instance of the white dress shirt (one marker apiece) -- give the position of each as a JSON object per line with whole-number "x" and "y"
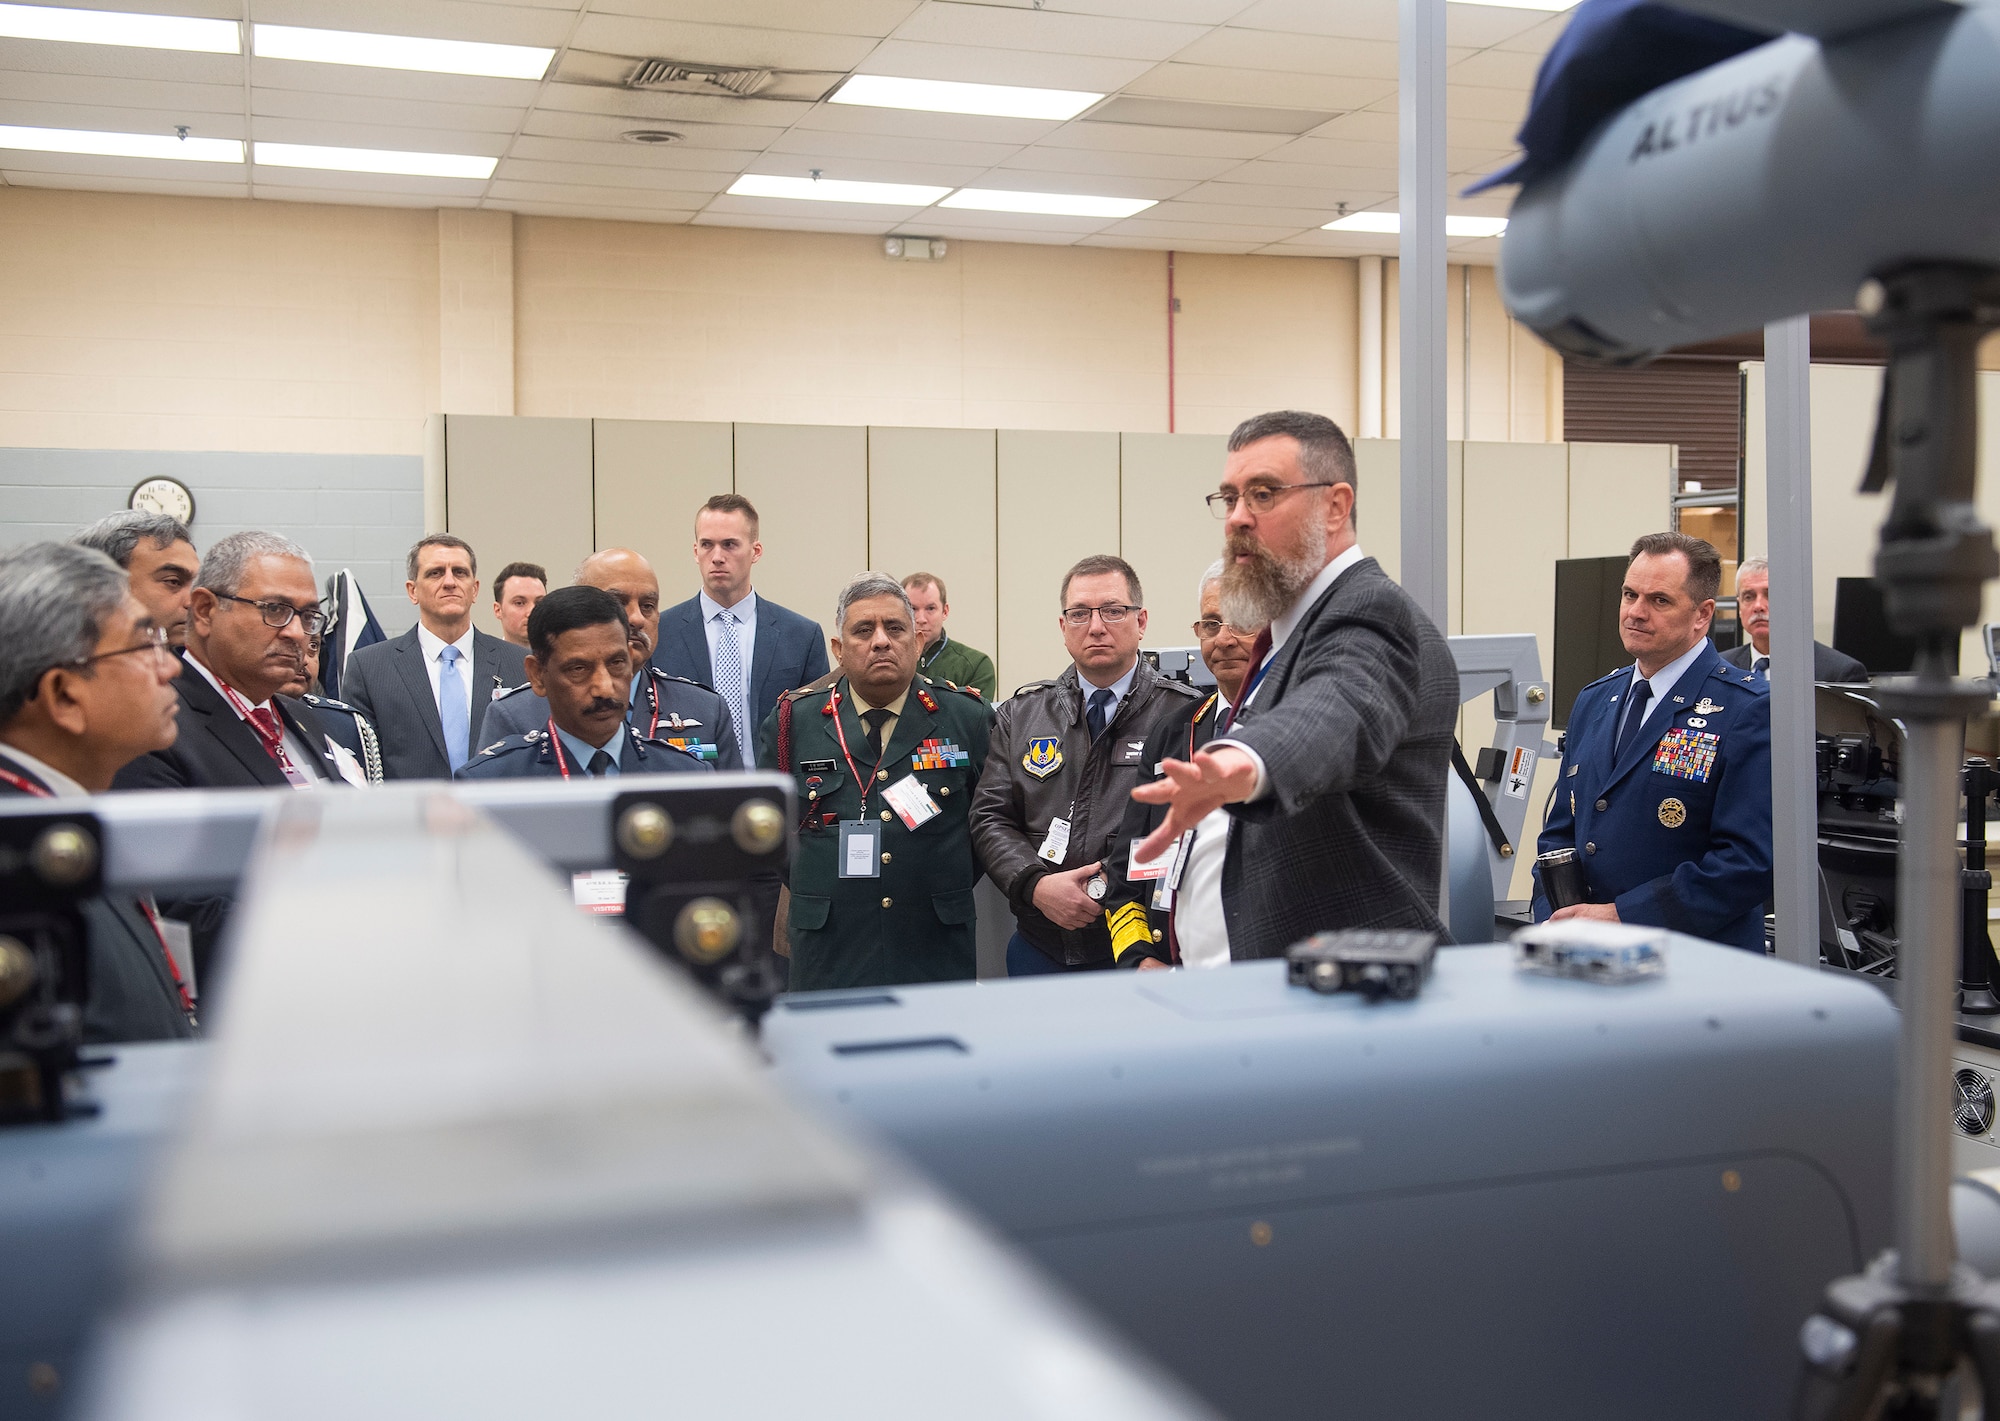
{"x": 746, "y": 638}
{"x": 434, "y": 646}
{"x": 1664, "y": 680}
{"x": 310, "y": 763}
{"x": 60, "y": 784}
{"x": 1199, "y": 929}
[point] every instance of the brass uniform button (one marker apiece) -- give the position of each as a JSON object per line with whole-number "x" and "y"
{"x": 1602, "y": 805}
{"x": 1157, "y": 935}
{"x": 881, "y": 774}
{"x": 885, "y": 816}
{"x": 888, "y": 902}
{"x": 944, "y": 791}
{"x": 885, "y": 858}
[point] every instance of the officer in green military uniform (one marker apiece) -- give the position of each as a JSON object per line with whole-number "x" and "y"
{"x": 943, "y": 657}
{"x": 885, "y": 761}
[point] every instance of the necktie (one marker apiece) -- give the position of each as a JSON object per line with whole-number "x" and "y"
{"x": 1099, "y": 714}
{"x": 1763, "y": 667}
{"x": 1259, "y": 649}
{"x": 454, "y": 710}
{"x": 1642, "y": 692}
{"x": 729, "y": 679}
{"x": 599, "y": 763}
{"x": 271, "y": 735}
{"x": 875, "y": 720}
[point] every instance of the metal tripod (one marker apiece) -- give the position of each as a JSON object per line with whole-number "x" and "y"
{"x": 1887, "y": 1342}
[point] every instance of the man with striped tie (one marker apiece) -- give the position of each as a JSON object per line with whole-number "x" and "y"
{"x": 747, "y": 647}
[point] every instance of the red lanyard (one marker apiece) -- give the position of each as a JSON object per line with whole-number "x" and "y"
{"x": 29, "y": 787}
{"x": 274, "y": 745}
{"x": 833, "y": 708}
{"x": 24, "y": 785}
{"x": 555, "y": 742}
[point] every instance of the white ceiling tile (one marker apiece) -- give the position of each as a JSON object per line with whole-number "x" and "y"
{"x": 1481, "y": 25}
{"x": 880, "y": 148}
{"x": 1047, "y": 31}
{"x": 1498, "y": 69}
{"x": 199, "y": 9}
{"x": 1168, "y": 244}
{"x": 867, "y": 170}
{"x": 367, "y": 135}
{"x": 1338, "y": 152}
{"x": 633, "y": 155}
{"x": 701, "y": 185}
{"x": 1250, "y": 86}
{"x": 120, "y": 182}
{"x": 1268, "y": 50}
{"x": 1540, "y": 38}
{"x": 1364, "y": 127}
{"x": 832, "y": 17}
{"x": 584, "y": 195}
{"x": 109, "y": 61}
{"x": 14, "y": 160}
{"x": 1367, "y": 190}
{"x": 396, "y": 184}
{"x": 1344, "y": 243}
{"x": 1187, "y": 12}
{"x": 609, "y": 128}
{"x": 906, "y": 123}
{"x": 431, "y": 19}
{"x": 791, "y": 222}
{"x": 973, "y": 65}
{"x": 881, "y": 216}
{"x": 1085, "y": 161}
{"x": 1338, "y": 180}
{"x": 1089, "y": 184}
{"x": 670, "y": 108}
{"x": 599, "y": 214}
{"x": 720, "y": 44}
{"x": 1249, "y": 236}
{"x": 111, "y": 120}
{"x": 389, "y": 83}
{"x": 1172, "y": 142}
{"x": 1480, "y": 133}
{"x": 111, "y": 93}
{"x": 343, "y": 196}
{"x": 1343, "y": 19}
{"x": 1296, "y": 218}
{"x": 1470, "y": 101}
{"x": 401, "y": 113}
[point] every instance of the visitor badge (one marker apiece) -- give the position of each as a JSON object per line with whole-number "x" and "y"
{"x": 1138, "y": 869}
{"x": 600, "y": 891}
{"x": 860, "y": 848}
{"x": 911, "y": 801}
{"x": 1057, "y": 843}
{"x": 344, "y": 761}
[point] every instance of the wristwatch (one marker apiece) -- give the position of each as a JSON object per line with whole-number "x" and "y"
{"x": 1097, "y": 888}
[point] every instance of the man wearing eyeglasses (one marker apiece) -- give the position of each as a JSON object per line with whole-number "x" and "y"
{"x": 254, "y": 608}
{"x": 1063, "y": 759}
{"x": 1332, "y": 768}
{"x": 427, "y": 691}
{"x": 85, "y": 685}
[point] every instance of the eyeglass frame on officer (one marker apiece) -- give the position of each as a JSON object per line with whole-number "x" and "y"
{"x": 314, "y": 622}
{"x": 1262, "y": 498}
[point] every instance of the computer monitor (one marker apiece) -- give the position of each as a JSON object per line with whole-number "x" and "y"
{"x": 1587, "y": 641}
{"x": 1861, "y": 629}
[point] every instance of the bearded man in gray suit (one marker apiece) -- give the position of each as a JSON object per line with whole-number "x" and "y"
{"x": 1327, "y": 787}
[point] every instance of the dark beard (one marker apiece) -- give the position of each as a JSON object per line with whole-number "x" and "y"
{"x": 1258, "y": 592}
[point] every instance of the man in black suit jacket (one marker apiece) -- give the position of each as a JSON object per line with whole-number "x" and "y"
{"x": 1334, "y": 768}
{"x": 84, "y": 687}
{"x": 1753, "y": 609}
{"x": 747, "y": 647}
{"x": 427, "y": 691}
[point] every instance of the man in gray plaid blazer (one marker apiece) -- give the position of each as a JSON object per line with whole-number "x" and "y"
{"x": 1330, "y": 781}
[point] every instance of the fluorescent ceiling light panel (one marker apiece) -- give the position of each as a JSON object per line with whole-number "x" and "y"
{"x": 122, "y": 145}
{"x": 114, "y": 27}
{"x": 836, "y": 190}
{"x": 374, "y": 160}
{"x": 432, "y": 56}
{"x": 1053, "y": 204}
{"x": 1390, "y": 224}
{"x": 883, "y": 91}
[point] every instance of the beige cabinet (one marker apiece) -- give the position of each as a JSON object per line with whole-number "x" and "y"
{"x": 650, "y": 477}
{"x": 809, "y": 483}
{"x": 1058, "y": 503}
{"x": 932, "y": 508}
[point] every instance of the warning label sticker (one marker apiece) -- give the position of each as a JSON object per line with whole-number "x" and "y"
{"x": 1520, "y": 772}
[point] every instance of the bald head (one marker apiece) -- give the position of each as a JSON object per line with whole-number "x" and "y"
{"x": 631, "y": 579}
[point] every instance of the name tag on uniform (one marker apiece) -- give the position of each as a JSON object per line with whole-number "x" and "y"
{"x": 1138, "y": 869}
{"x": 1687, "y": 754}
{"x": 860, "y": 848}
{"x": 1131, "y": 752}
{"x": 1057, "y": 843}
{"x": 600, "y": 892}
{"x": 344, "y": 761}
{"x": 911, "y": 801}
{"x": 815, "y": 767}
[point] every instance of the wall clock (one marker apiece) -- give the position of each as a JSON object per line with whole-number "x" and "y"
{"x": 164, "y": 495}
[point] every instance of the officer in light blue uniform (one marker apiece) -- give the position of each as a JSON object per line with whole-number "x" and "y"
{"x": 536, "y": 755}
{"x": 683, "y": 713}
{"x": 1665, "y": 790}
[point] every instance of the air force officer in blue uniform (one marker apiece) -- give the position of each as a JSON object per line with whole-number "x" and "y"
{"x": 1666, "y": 787}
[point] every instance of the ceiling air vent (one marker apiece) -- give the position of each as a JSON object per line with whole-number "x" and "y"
{"x": 1974, "y": 1112}
{"x": 670, "y": 76}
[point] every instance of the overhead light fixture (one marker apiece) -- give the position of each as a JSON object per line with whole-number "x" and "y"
{"x": 836, "y": 190}
{"x": 431, "y": 56}
{"x": 883, "y": 91}
{"x": 116, "y": 27}
{"x": 1390, "y": 224}
{"x": 1053, "y": 204}
{"x": 121, "y": 145}
{"x": 374, "y": 160}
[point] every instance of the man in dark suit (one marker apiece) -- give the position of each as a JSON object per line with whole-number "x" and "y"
{"x": 681, "y": 712}
{"x": 1333, "y": 768}
{"x": 1753, "y": 609}
{"x": 85, "y": 685}
{"x": 747, "y": 647}
{"x": 253, "y": 609}
{"x": 1666, "y": 785}
{"x": 426, "y": 692}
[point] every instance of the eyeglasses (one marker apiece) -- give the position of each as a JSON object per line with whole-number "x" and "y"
{"x": 155, "y": 642}
{"x": 1262, "y": 499}
{"x": 280, "y": 614}
{"x": 1209, "y": 628}
{"x": 1112, "y": 615}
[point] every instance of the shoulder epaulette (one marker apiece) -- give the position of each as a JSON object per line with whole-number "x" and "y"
{"x": 1214, "y": 698}
{"x": 659, "y": 675}
{"x": 1034, "y": 686}
{"x": 329, "y": 703}
{"x": 799, "y": 693}
{"x": 972, "y": 691}
{"x": 1182, "y": 688}
{"x": 515, "y": 742}
{"x": 506, "y": 691}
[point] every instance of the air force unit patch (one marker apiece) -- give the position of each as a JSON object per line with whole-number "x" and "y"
{"x": 1044, "y": 757}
